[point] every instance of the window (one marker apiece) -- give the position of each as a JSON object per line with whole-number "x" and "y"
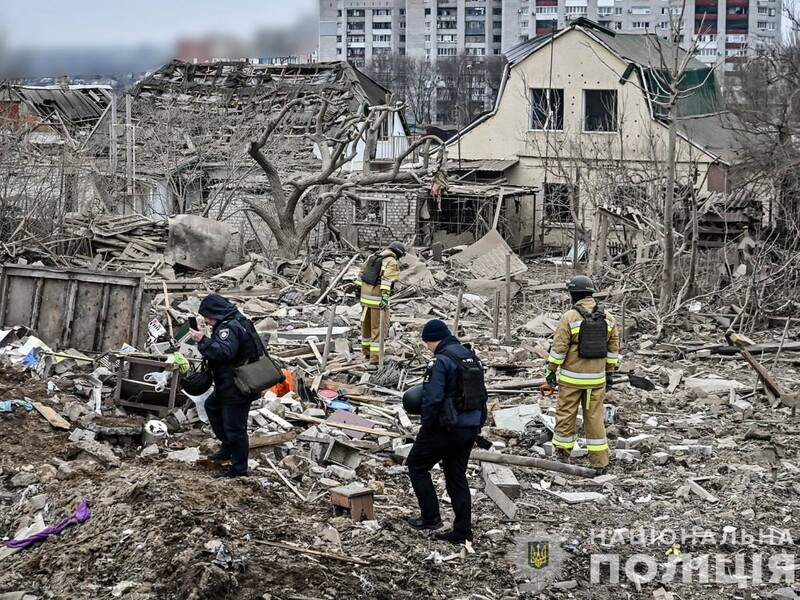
{"x": 497, "y": 24}
{"x": 640, "y": 24}
{"x": 338, "y": 13}
{"x": 599, "y": 110}
{"x": 602, "y": 11}
{"x": 355, "y": 13}
{"x": 446, "y": 38}
{"x": 771, "y": 26}
{"x": 381, "y": 38}
{"x": 427, "y": 11}
{"x": 447, "y": 51}
{"x": 547, "y": 108}
{"x": 524, "y": 24}
{"x": 617, "y": 25}
{"x": 546, "y": 10}
{"x": 497, "y": 11}
{"x": 761, "y": 25}
{"x": 382, "y": 12}
{"x": 402, "y": 12}
{"x": 356, "y": 39}
{"x": 640, "y": 10}
{"x": 763, "y": 10}
{"x": 524, "y": 11}
{"x": 618, "y": 10}
{"x": 556, "y": 203}
{"x": 479, "y": 11}
{"x": 575, "y": 10}
{"x": 737, "y": 10}
{"x": 402, "y": 38}
{"x": 476, "y": 51}
{"x": 523, "y": 38}
{"x": 497, "y": 39}
{"x": 369, "y": 211}
{"x": 402, "y": 25}
{"x": 386, "y": 25}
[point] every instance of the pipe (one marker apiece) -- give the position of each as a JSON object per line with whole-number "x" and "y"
{"x": 536, "y": 463}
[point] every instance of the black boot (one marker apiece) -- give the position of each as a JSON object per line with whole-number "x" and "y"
{"x": 420, "y": 523}
{"x": 453, "y": 536}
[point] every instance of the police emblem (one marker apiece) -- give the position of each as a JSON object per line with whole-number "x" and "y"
{"x": 224, "y": 333}
{"x": 538, "y": 555}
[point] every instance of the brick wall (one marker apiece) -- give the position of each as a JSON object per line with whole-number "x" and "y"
{"x": 384, "y": 216}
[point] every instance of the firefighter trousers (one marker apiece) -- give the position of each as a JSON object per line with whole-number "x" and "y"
{"x": 371, "y": 331}
{"x": 591, "y": 400}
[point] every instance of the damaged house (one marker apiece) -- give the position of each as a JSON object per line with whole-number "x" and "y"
{"x": 178, "y": 143}
{"x": 581, "y": 115}
{"x": 43, "y": 130}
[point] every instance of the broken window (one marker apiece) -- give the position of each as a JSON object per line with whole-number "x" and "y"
{"x": 600, "y": 110}
{"x": 369, "y": 211}
{"x": 547, "y": 109}
{"x": 557, "y": 203}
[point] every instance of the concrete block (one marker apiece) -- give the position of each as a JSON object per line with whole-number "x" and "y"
{"x": 637, "y": 441}
{"x": 548, "y": 448}
{"x": 678, "y": 450}
{"x": 625, "y": 455}
{"x": 702, "y": 450}
{"x": 343, "y": 473}
{"x": 743, "y": 407}
{"x": 661, "y": 458}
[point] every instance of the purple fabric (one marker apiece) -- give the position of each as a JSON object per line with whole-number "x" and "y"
{"x": 83, "y": 513}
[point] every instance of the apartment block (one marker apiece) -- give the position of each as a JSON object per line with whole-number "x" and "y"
{"x": 357, "y": 30}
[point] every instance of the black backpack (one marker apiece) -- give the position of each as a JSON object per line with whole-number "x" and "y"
{"x": 372, "y": 271}
{"x": 593, "y": 333}
{"x": 471, "y": 394}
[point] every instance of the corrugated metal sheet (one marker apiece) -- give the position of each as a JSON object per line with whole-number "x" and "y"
{"x": 79, "y": 106}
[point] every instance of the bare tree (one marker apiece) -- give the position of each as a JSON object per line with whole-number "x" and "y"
{"x": 325, "y": 122}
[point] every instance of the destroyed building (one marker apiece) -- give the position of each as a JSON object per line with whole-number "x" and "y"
{"x": 178, "y": 142}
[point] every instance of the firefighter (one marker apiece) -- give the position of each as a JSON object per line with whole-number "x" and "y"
{"x": 584, "y": 363}
{"x": 376, "y": 280}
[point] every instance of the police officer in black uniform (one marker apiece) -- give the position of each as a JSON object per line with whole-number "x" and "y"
{"x": 451, "y": 444}
{"x": 230, "y": 345}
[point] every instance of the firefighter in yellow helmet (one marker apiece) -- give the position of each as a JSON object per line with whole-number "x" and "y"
{"x": 584, "y": 353}
{"x": 376, "y": 280}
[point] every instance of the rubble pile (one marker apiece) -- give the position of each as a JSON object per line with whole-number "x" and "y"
{"x": 701, "y": 429}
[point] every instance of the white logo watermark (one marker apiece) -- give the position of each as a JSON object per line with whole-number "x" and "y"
{"x": 738, "y": 567}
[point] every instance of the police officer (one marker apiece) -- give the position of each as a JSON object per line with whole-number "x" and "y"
{"x": 581, "y": 381}
{"x": 374, "y": 296}
{"x": 230, "y": 345}
{"x": 451, "y": 444}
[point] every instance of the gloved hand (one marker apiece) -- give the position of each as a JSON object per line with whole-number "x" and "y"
{"x": 384, "y": 301}
{"x": 609, "y": 379}
{"x": 550, "y": 378}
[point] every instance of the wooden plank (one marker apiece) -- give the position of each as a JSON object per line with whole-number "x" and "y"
{"x": 271, "y": 440}
{"x": 503, "y": 502}
{"x": 55, "y": 419}
{"x": 503, "y": 477}
{"x": 275, "y": 418}
{"x": 345, "y": 426}
{"x": 293, "y": 548}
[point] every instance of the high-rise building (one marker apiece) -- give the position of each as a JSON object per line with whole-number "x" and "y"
{"x": 358, "y": 30}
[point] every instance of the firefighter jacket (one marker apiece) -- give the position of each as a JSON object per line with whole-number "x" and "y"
{"x": 575, "y": 371}
{"x": 371, "y": 295}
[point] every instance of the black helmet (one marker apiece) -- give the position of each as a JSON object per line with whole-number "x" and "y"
{"x": 197, "y": 383}
{"x": 580, "y": 283}
{"x": 398, "y": 248}
{"x": 412, "y": 400}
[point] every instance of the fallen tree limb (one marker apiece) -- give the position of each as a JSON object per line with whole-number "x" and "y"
{"x": 529, "y": 461}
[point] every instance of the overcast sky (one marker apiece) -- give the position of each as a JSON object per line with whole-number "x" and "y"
{"x": 85, "y": 23}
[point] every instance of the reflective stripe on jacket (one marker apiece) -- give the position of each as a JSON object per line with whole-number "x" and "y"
{"x": 573, "y": 370}
{"x": 371, "y": 295}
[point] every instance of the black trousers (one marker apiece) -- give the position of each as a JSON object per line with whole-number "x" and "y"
{"x": 452, "y": 447}
{"x": 229, "y": 423}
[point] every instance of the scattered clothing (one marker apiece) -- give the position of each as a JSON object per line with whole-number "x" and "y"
{"x": 81, "y": 515}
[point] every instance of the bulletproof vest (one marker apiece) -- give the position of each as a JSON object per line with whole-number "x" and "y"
{"x": 593, "y": 332}
{"x": 372, "y": 271}
{"x": 471, "y": 394}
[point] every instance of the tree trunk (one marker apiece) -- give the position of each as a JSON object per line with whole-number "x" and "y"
{"x": 668, "y": 275}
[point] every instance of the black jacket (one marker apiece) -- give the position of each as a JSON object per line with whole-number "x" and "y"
{"x": 441, "y": 382}
{"x": 230, "y": 345}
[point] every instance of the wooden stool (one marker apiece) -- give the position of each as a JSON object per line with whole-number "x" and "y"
{"x": 356, "y": 498}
